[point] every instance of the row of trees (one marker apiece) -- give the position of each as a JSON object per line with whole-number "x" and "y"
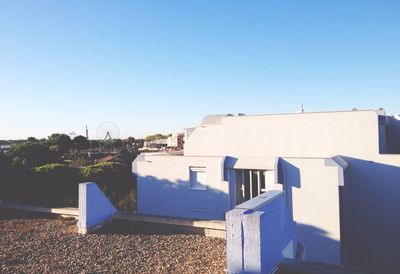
{"x": 156, "y": 136}
{"x": 35, "y": 172}
{"x": 56, "y": 185}
{"x": 62, "y": 143}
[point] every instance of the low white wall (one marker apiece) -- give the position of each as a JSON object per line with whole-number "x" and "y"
{"x": 312, "y": 189}
{"x": 260, "y": 233}
{"x": 163, "y": 187}
{"x": 94, "y": 207}
{"x": 353, "y": 223}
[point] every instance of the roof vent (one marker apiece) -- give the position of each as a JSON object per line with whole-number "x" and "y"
{"x": 381, "y": 111}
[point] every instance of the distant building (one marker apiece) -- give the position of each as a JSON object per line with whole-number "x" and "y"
{"x": 176, "y": 141}
{"x": 156, "y": 144}
{"x": 5, "y": 145}
{"x": 340, "y": 172}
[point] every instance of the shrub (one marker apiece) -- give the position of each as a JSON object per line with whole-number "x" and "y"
{"x": 5, "y": 175}
{"x": 115, "y": 180}
{"x": 34, "y": 154}
{"x": 80, "y": 143}
{"x": 13, "y": 175}
{"x": 99, "y": 171}
{"x": 62, "y": 142}
{"x": 127, "y": 202}
{"x": 56, "y": 185}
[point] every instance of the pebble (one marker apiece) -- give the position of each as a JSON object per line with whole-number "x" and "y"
{"x": 41, "y": 244}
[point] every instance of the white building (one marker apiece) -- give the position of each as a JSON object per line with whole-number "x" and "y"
{"x": 159, "y": 143}
{"x": 176, "y": 140}
{"x": 340, "y": 172}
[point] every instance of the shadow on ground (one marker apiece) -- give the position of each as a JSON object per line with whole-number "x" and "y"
{"x": 120, "y": 227}
{"x": 9, "y": 214}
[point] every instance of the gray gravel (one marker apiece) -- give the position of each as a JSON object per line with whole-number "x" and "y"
{"x": 48, "y": 245}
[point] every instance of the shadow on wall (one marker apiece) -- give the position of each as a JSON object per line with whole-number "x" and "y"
{"x": 317, "y": 239}
{"x": 289, "y": 175}
{"x": 163, "y": 197}
{"x": 371, "y": 214}
{"x": 389, "y": 135}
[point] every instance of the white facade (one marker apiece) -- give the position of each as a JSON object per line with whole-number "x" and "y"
{"x": 325, "y": 134}
{"x": 330, "y": 197}
{"x": 184, "y": 187}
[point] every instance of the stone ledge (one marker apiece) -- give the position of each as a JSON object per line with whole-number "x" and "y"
{"x": 64, "y": 211}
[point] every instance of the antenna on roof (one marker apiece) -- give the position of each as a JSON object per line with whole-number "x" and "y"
{"x": 301, "y": 110}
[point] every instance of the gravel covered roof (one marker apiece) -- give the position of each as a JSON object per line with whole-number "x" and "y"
{"x": 48, "y": 245}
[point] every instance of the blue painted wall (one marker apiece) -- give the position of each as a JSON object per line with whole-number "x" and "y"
{"x": 170, "y": 193}
{"x": 175, "y": 199}
{"x": 370, "y": 214}
{"x": 260, "y": 233}
{"x": 389, "y": 135}
{"x": 94, "y": 207}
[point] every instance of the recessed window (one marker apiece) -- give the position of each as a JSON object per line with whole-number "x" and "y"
{"x": 251, "y": 183}
{"x": 198, "y": 178}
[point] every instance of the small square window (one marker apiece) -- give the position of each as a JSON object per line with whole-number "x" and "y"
{"x": 198, "y": 178}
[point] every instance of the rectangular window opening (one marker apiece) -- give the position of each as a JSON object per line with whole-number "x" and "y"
{"x": 251, "y": 183}
{"x": 198, "y": 178}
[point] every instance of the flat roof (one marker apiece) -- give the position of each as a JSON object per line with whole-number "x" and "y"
{"x": 378, "y": 111}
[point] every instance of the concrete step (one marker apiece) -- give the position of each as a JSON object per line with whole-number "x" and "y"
{"x": 63, "y": 211}
{"x": 212, "y": 228}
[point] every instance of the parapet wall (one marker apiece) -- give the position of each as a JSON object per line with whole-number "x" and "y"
{"x": 260, "y": 233}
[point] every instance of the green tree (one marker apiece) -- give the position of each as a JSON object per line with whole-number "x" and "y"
{"x": 80, "y": 142}
{"x": 115, "y": 180}
{"x": 14, "y": 177}
{"x": 32, "y": 154}
{"x": 94, "y": 143}
{"x": 60, "y": 181}
{"x": 5, "y": 174}
{"x": 62, "y": 141}
{"x": 117, "y": 143}
{"x": 155, "y": 137}
{"x": 53, "y": 138}
{"x": 65, "y": 142}
{"x": 32, "y": 139}
{"x": 130, "y": 141}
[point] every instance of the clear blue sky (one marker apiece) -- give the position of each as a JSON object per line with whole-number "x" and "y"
{"x": 160, "y": 66}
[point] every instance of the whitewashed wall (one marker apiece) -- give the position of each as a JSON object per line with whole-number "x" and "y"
{"x": 163, "y": 187}
{"x": 312, "y": 191}
{"x": 353, "y": 133}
